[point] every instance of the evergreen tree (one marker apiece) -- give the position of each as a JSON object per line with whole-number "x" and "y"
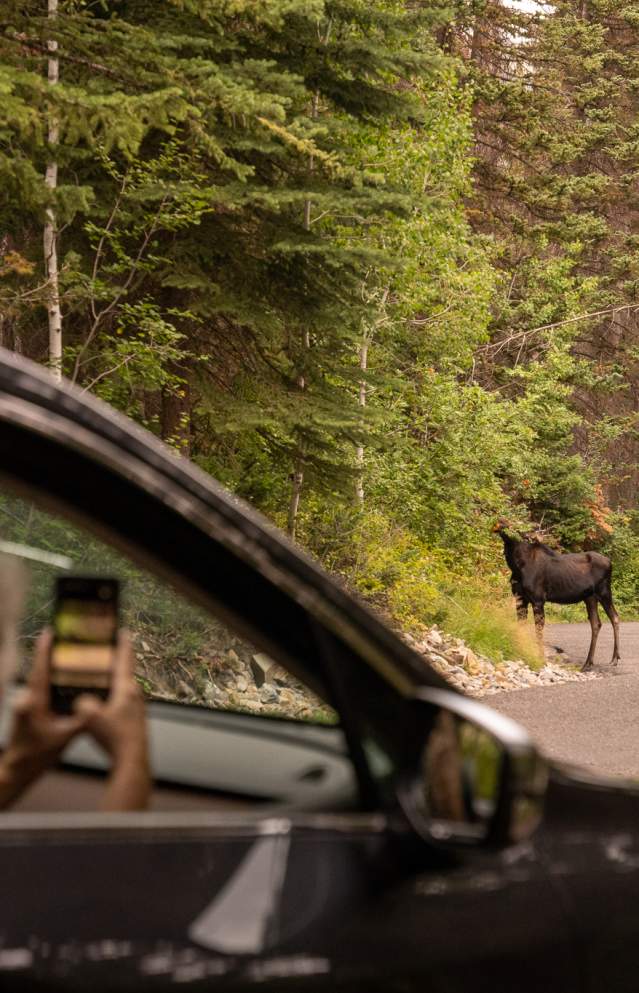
{"x": 555, "y": 112}
{"x": 202, "y": 152}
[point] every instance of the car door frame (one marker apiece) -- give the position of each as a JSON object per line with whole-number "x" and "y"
{"x": 69, "y": 451}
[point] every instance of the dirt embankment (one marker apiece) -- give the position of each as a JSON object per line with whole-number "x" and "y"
{"x": 227, "y": 674}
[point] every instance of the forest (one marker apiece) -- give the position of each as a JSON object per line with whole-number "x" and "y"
{"x": 373, "y": 264}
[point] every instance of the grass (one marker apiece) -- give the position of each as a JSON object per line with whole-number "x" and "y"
{"x": 491, "y": 628}
{"x": 575, "y": 613}
{"x": 567, "y": 613}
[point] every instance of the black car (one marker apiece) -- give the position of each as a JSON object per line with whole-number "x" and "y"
{"x": 397, "y": 837}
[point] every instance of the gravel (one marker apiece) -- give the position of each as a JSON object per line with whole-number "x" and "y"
{"x": 478, "y": 676}
{"x": 231, "y": 676}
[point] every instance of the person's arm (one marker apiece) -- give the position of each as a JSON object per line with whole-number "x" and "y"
{"x": 119, "y": 726}
{"x": 38, "y": 736}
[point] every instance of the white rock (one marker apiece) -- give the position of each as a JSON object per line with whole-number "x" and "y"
{"x": 269, "y": 694}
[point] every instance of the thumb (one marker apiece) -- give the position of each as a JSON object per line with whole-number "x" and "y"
{"x": 90, "y": 711}
{"x": 87, "y": 706}
{"x": 23, "y": 703}
{"x": 68, "y": 727}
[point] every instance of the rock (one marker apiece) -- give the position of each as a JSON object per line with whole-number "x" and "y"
{"x": 261, "y": 666}
{"x": 184, "y": 688}
{"x": 269, "y": 694}
{"x": 241, "y": 685}
{"x": 479, "y": 676}
{"x": 287, "y": 699}
{"x": 434, "y": 657}
{"x": 213, "y": 695}
{"x": 471, "y": 663}
{"x": 233, "y": 660}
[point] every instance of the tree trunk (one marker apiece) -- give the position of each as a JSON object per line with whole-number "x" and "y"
{"x": 367, "y": 338}
{"x": 50, "y": 227}
{"x": 359, "y": 454}
{"x": 297, "y": 476}
{"x": 297, "y": 481}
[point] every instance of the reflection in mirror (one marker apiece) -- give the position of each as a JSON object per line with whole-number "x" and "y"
{"x": 461, "y": 770}
{"x": 529, "y": 775}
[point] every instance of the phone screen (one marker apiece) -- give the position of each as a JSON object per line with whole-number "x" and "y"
{"x": 85, "y": 625}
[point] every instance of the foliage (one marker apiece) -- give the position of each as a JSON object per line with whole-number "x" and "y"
{"x": 416, "y": 585}
{"x": 328, "y": 243}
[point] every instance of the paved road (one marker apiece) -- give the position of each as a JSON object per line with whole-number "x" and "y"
{"x": 594, "y": 724}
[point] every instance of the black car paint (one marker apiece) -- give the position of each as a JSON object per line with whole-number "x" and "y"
{"x": 351, "y": 913}
{"x": 361, "y": 902}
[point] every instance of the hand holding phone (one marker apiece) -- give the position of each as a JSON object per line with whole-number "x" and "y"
{"x": 119, "y": 726}
{"x": 85, "y": 630}
{"x": 38, "y": 736}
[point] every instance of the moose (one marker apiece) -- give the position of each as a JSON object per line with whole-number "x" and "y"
{"x": 540, "y": 573}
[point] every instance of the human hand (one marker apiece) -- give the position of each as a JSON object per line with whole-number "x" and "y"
{"x": 118, "y": 725}
{"x": 38, "y": 735}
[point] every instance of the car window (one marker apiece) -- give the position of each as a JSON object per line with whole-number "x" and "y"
{"x": 184, "y": 655}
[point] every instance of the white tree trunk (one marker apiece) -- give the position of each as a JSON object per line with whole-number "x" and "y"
{"x": 359, "y": 453}
{"x": 50, "y": 228}
{"x": 367, "y": 338}
{"x": 297, "y": 476}
{"x": 297, "y": 481}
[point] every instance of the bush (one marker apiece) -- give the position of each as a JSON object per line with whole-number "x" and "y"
{"x": 416, "y": 586}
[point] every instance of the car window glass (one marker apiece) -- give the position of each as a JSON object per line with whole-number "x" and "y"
{"x": 184, "y": 655}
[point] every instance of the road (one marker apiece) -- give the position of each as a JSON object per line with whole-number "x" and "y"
{"x": 593, "y": 724}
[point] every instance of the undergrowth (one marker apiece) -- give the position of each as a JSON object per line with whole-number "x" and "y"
{"x": 492, "y": 629}
{"x": 416, "y": 585}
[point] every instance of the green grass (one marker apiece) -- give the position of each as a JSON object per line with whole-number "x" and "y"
{"x": 491, "y": 628}
{"x": 575, "y": 613}
{"x": 568, "y": 613}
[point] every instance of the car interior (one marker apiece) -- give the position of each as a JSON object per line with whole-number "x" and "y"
{"x": 230, "y": 728}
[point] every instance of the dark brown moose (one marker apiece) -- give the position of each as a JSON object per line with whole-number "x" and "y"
{"x": 540, "y": 573}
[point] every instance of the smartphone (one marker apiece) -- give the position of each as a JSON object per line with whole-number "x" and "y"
{"x": 85, "y": 630}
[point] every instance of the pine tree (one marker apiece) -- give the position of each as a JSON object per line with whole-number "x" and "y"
{"x": 555, "y": 114}
{"x": 203, "y": 156}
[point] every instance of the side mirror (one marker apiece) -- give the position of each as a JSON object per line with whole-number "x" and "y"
{"x": 480, "y": 780}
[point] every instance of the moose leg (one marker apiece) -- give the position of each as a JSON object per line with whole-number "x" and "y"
{"x": 595, "y": 625}
{"x": 540, "y": 620}
{"x": 608, "y": 606}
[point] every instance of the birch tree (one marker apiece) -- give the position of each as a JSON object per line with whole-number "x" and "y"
{"x": 54, "y": 311}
